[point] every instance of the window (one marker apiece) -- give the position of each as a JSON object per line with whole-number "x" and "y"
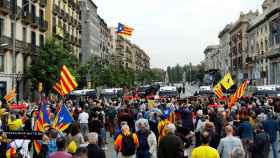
{"x": 1, "y": 26}
{"x": 12, "y": 30}
{"x": 1, "y": 63}
{"x": 42, "y": 42}
{"x": 24, "y": 34}
{"x": 33, "y": 39}
{"x": 41, "y": 14}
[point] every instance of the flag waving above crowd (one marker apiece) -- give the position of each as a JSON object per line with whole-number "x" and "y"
{"x": 124, "y": 30}
{"x": 225, "y": 83}
{"x": 66, "y": 83}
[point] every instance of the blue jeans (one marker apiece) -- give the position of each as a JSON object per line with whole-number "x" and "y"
{"x": 274, "y": 146}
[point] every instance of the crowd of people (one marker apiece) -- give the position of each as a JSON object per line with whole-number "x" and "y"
{"x": 161, "y": 128}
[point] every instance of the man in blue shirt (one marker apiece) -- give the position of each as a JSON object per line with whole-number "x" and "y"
{"x": 271, "y": 126}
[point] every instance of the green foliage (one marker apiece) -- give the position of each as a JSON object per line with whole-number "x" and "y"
{"x": 46, "y": 66}
{"x": 113, "y": 76}
{"x": 193, "y": 72}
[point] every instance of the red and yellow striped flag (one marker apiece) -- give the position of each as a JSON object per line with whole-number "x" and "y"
{"x": 218, "y": 90}
{"x": 66, "y": 83}
{"x": 10, "y": 96}
{"x": 239, "y": 93}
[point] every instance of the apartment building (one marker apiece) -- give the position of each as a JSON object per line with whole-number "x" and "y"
{"x": 64, "y": 22}
{"x": 29, "y": 31}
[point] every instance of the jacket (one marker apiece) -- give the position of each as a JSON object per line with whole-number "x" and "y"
{"x": 171, "y": 146}
{"x": 95, "y": 151}
{"x": 245, "y": 131}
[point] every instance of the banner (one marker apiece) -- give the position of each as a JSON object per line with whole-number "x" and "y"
{"x": 30, "y": 135}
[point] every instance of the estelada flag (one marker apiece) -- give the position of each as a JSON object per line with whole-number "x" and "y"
{"x": 66, "y": 83}
{"x": 218, "y": 90}
{"x": 63, "y": 119}
{"x": 227, "y": 81}
{"x": 239, "y": 93}
{"x": 124, "y": 30}
{"x": 10, "y": 96}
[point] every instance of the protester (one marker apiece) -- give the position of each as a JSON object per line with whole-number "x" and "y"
{"x": 228, "y": 143}
{"x": 205, "y": 151}
{"x": 126, "y": 143}
{"x": 261, "y": 146}
{"x": 75, "y": 138}
{"x": 81, "y": 153}
{"x": 170, "y": 144}
{"x": 93, "y": 149}
{"x": 271, "y": 127}
{"x": 60, "y": 153}
{"x": 147, "y": 141}
{"x": 83, "y": 120}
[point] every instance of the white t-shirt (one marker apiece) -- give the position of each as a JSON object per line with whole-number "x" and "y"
{"x": 83, "y": 117}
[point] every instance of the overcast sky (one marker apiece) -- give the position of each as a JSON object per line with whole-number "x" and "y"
{"x": 174, "y": 31}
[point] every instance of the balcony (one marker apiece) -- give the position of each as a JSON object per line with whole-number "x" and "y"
{"x": 43, "y": 25}
{"x": 26, "y": 17}
{"x": 43, "y": 3}
{"x": 67, "y": 17}
{"x": 5, "y": 7}
{"x": 56, "y": 10}
{"x": 62, "y": 12}
{"x": 35, "y": 21}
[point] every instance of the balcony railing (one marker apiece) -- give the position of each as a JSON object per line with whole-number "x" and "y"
{"x": 5, "y": 6}
{"x": 26, "y": 17}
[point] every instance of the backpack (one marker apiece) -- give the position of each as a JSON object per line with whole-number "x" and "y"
{"x": 128, "y": 146}
{"x": 143, "y": 141}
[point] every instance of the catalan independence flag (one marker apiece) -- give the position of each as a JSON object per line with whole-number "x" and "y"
{"x": 218, "y": 90}
{"x": 10, "y": 96}
{"x": 41, "y": 124}
{"x": 66, "y": 83}
{"x": 239, "y": 93}
{"x": 63, "y": 119}
{"x": 124, "y": 30}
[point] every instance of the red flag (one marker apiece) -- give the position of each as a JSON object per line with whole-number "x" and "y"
{"x": 239, "y": 93}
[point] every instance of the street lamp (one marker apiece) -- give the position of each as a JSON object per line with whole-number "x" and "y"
{"x": 14, "y": 43}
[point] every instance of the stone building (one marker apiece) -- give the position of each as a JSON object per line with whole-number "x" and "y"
{"x": 90, "y": 31}
{"x": 264, "y": 44}
{"x": 105, "y": 38}
{"x": 30, "y": 28}
{"x": 212, "y": 57}
{"x": 224, "y": 46}
{"x": 64, "y": 22}
{"x": 239, "y": 45}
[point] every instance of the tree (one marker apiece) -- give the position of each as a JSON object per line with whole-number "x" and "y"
{"x": 46, "y": 66}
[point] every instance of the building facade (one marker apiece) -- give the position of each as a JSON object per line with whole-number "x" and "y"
{"x": 239, "y": 46}
{"x": 29, "y": 31}
{"x": 141, "y": 59}
{"x": 264, "y": 44}
{"x": 64, "y": 22}
{"x": 105, "y": 46}
{"x": 91, "y": 41}
{"x": 212, "y": 57}
{"x": 224, "y": 46}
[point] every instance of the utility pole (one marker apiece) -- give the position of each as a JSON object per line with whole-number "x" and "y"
{"x": 190, "y": 65}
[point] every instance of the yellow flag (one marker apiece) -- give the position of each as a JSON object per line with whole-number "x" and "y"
{"x": 227, "y": 81}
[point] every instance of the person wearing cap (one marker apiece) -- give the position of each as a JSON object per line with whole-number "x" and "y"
{"x": 170, "y": 144}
